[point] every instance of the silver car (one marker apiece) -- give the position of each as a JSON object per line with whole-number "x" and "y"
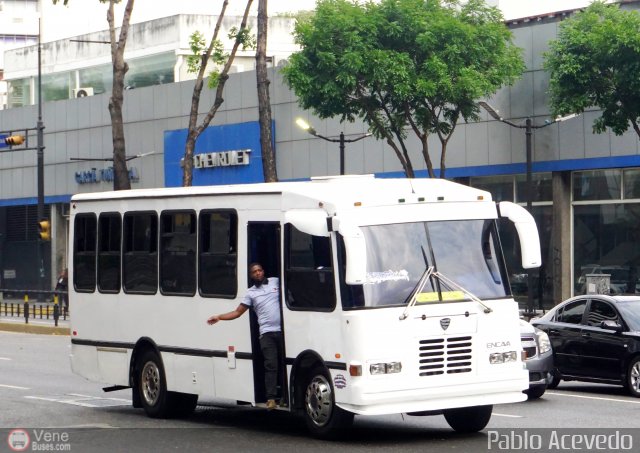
{"x": 538, "y": 359}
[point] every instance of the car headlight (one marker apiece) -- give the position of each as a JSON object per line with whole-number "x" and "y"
{"x": 503, "y": 357}
{"x": 385, "y": 368}
{"x": 544, "y": 344}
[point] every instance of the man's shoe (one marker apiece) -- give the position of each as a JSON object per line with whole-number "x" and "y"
{"x": 271, "y": 405}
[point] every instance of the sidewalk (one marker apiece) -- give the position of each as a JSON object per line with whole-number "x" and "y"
{"x": 35, "y": 325}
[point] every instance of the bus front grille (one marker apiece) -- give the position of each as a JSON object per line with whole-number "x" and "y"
{"x": 445, "y": 355}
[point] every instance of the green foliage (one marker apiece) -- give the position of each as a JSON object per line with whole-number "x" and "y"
{"x": 401, "y": 62}
{"x": 595, "y": 62}
{"x": 198, "y": 46}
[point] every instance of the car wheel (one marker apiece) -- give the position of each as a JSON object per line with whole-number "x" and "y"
{"x": 152, "y": 386}
{"x": 468, "y": 419}
{"x": 323, "y": 418}
{"x": 555, "y": 381}
{"x": 633, "y": 377}
{"x": 535, "y": 392}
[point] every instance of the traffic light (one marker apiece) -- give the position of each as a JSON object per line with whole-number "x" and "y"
{"x": 14, "y": 140}
{"x": 44, "y": 229}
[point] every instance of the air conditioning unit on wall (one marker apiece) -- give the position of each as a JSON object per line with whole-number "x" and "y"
{"x": 82, "y": 92}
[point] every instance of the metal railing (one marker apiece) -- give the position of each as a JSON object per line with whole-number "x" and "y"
{"x": 37, "y": 310}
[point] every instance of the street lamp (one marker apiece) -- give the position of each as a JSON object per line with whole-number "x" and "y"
{"x": 528, "y": 126}
{"x": 341, "y": 140}
{"x": 40, "y": 164}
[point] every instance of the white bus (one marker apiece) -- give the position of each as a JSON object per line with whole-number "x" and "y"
{"x": 394, "y": 296}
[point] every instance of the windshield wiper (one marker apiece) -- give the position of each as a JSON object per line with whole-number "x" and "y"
{"x": 447, "y": 281}
{"x": 417, "y": 290}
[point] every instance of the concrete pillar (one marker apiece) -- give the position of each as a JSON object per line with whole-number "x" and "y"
{"x": 561, "y": 246}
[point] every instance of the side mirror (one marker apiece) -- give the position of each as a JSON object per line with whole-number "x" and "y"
{"x": 611, "y": 325}
{"x": 527, "y": 232}
{"x": 356, "y": 250}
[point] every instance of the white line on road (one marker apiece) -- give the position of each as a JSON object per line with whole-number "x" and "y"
{"x": 84, "y": 400}
{"x": 592, "y": 397}
{"x": 507, "y": 415}
{"x": 5, "y": 358}
{"x": 17, "y": 387}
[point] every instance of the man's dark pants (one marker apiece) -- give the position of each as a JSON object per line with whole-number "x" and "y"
{"x": 271, "y": 345}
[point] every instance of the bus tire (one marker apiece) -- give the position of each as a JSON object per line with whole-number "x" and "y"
{"x": 324, "y": 419}
{"x": 468, "y": 419}
{"x": 152, "y": 385}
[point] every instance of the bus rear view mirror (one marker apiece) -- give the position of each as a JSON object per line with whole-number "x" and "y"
{"x": 527, "y": 232}
{"x": 356, "y": 250}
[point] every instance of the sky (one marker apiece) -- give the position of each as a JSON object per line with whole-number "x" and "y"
{"x": 89, "y": 15}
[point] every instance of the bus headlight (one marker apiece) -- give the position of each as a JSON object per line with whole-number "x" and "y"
{"x": 503, "y": 357}
{"x": 385, "y": 368}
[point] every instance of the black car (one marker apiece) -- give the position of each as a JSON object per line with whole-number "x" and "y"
{"x": 595, "y": 338}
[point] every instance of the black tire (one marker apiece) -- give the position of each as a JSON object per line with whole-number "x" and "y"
{"x": 535, "y": 392}
{"x": 468, "y": 419}
{"x": 324, "y": 419}
{"x": 633, "y": 377}
{"x": 152, "y": 385}
{"x": 557, "y": 377}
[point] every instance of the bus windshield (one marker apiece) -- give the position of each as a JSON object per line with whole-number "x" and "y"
{"x": 467, "y": 252}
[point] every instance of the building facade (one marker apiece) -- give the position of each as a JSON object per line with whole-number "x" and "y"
{"x": 587, "y": 186}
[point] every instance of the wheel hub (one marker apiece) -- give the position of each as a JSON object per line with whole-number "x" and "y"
{"x": 150, "y": 383}
{"x": 318, "y": 400}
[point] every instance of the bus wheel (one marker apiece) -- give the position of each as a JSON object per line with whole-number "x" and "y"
{"x": 152, "y": 385}
{"x": 468, "y": 419}
{"x": 324, "y": 419}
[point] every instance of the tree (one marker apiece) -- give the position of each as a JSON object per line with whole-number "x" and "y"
{"x": 197, "y": 63}
{"x": 595, "y": 62}
{"x": 402, "y": 66}
{"x": 264, "y": 102}
{"x": 120, "y": 68}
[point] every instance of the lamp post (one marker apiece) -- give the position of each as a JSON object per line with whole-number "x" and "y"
{"x": 341, "y": 139}
{"x": 40, "y": 165}
{"x": 528, "y": 126}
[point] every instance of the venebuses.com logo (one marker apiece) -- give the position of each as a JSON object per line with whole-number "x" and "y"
{"x": 18, "y": 440}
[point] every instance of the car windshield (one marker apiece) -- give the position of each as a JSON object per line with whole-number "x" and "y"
{"x": 630, "y": 310}
{"x": 464, "y": 251}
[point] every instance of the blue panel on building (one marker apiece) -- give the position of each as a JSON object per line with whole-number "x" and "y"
{"x": 223, "y": 151}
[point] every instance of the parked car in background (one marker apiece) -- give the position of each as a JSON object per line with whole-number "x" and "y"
{"x": 538, "y": 359}
{"x": 595, "y": 338}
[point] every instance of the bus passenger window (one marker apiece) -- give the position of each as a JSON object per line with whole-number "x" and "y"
{"x": 84, "y": 253}
{"x": 109, "y": 234}
{"x": 218, "y": 255}
{"x": 309, "y": 280}
{"x": 178, "y": 242}
{"x": 140, "y": 253}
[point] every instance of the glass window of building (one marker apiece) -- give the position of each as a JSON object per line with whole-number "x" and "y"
{"x": 541, "y": 187}
{"x": 151, "y": 70}
{"x": 631, "y": 183}
{"x": 597, "y": 185}
{"x": 56, "y": 86}
{"x": 19, "y": 93}
{"x": 100, "y": 78}
{"x": 501, "y": 187}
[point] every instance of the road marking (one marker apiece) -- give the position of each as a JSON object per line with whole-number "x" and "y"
{"x": 17, "y": 387}
{"x": 507, "y": 415}
{"x": 5, "y": 358}
{"x": 83, "y": 400}
{"x": 593, "y": 397}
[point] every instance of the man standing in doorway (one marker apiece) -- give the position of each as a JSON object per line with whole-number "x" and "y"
{"x": 264, "y": 298}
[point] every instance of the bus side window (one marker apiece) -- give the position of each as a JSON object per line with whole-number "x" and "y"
{"x": 218, "y": 257}
{"x": 109, "y": 234}
{"x": 84, "y": 252}
{"x": 309, "y": 280}
{"x": 140, "y": 250}
{"x": 178, "y": 244}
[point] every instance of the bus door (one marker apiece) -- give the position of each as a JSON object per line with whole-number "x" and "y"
{"x": 263, "y": 247}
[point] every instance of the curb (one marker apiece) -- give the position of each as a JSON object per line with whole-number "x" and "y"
{"x": 21, "y": 327}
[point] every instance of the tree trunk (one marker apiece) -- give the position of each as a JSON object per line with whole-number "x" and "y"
{"x": 264, "y": 102}
{"x": 120, "y": 67}
{"x": 195, "y": 130}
